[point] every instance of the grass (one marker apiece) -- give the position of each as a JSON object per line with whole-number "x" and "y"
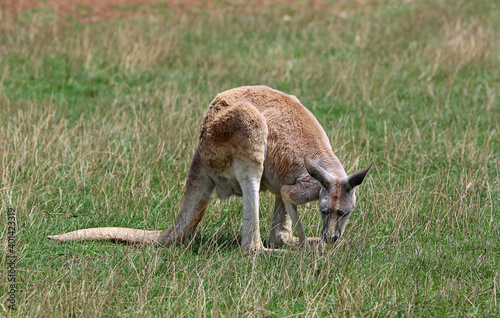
{"x": 98, "y": 123}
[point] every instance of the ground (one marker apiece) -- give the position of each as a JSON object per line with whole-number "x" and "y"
{"x": 92, "y": 10}
{"x": 95, "y": 10}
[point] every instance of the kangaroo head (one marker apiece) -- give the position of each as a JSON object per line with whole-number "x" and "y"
{"x": 336, "y": 198}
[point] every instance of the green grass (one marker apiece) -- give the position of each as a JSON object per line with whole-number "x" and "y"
{"x": 98, "y": 123}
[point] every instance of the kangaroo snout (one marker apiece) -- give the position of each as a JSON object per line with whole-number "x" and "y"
{"x": 330, "y": 239}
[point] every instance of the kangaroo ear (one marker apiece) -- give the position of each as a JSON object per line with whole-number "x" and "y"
{"x": 357, "y": 178}
{"x": 318, "y": 173}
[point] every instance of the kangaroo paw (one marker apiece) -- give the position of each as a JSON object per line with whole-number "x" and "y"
{"x": 312, "y": 241}
{"x": 257, "y": 251}
{"x": 282, "y": 239}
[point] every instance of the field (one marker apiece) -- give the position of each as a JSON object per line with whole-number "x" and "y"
{"x": 100, "y": 116}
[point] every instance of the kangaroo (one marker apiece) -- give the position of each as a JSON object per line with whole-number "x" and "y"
{"x": 255, "y": 138}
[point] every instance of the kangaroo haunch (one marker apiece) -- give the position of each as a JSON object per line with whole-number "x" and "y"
{"x": 255, "y": 138}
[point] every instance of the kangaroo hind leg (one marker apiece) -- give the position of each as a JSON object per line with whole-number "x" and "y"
{"x": 233, "y": 145}
{"x": 249, "y": 175}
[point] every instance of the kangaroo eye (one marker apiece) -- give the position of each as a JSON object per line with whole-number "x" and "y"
{"x": 341, "y": 213}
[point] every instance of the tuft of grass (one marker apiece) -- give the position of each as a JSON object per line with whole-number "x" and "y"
{"x": 98, "y": 123}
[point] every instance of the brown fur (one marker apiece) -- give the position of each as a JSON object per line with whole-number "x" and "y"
{"x": 255, "y": 138}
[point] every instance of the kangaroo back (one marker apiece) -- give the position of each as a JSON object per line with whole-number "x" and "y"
{"x": 293, "y": 133}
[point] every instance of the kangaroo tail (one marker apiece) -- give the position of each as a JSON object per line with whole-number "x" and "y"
{"x": 117, "y": 234}
{"x": 199, "y": 187}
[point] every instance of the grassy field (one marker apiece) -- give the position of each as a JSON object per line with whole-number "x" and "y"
{"x": 98, "y": 123}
